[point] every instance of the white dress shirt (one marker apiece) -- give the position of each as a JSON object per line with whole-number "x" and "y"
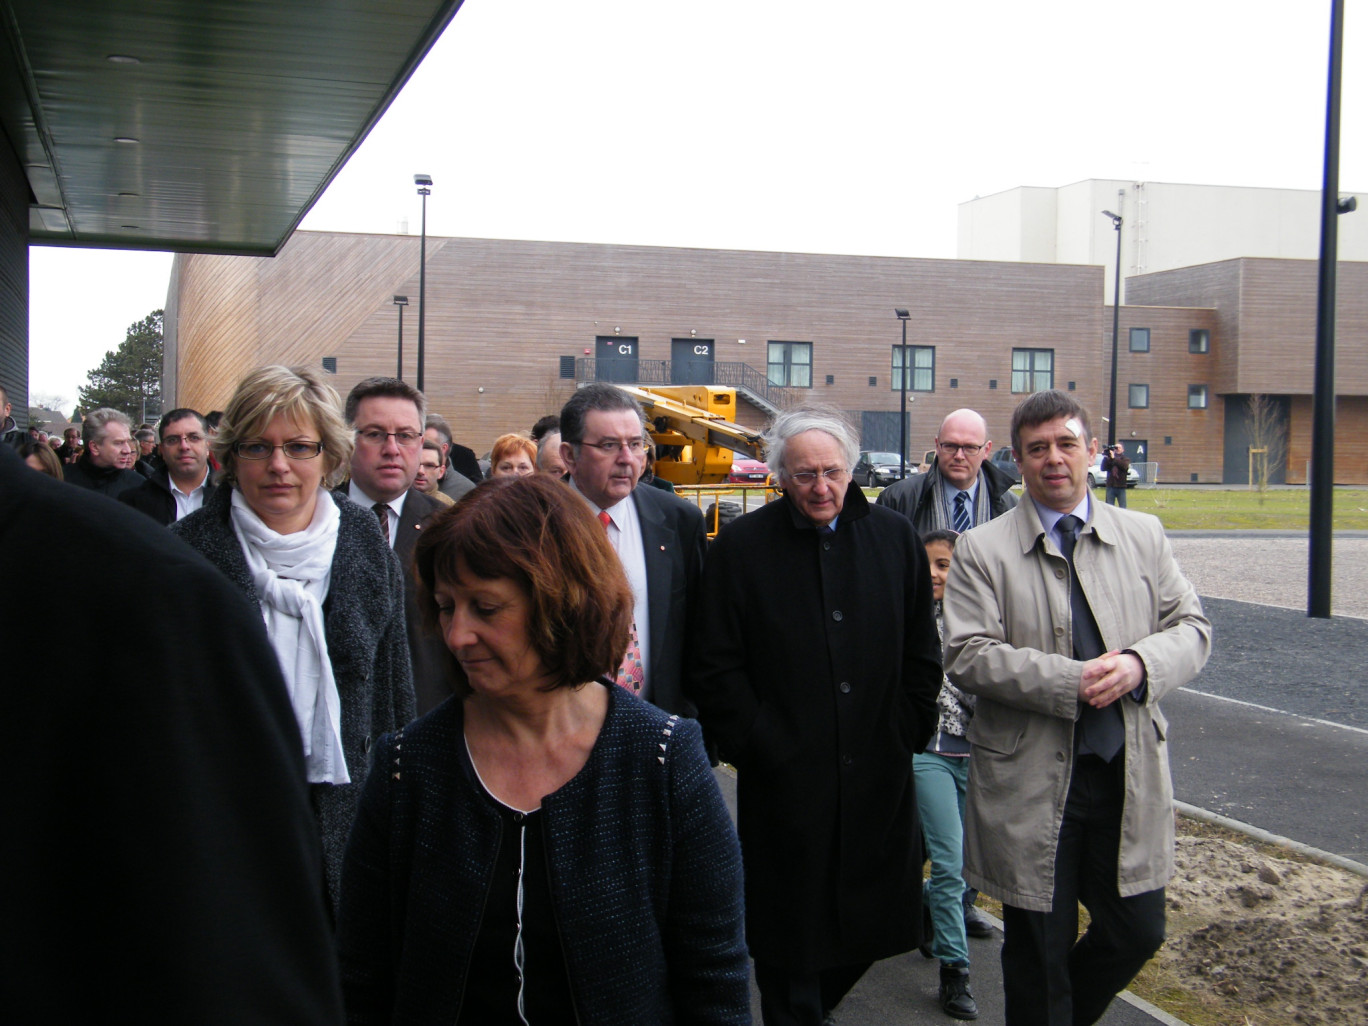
{"x": 625, "y": 534}
{"x": 188, "y": 502}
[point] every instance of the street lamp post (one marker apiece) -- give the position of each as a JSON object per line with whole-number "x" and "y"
{"x": 903, "y": 315}
{"x": 424, "y": 183}
{"x": 1116, "y": 325}
{"x": 401, "y": 302}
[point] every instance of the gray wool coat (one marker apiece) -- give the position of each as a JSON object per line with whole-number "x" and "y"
{"x": 365, "y": 627}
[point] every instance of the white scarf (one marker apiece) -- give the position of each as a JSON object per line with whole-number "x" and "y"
{"x": 291, "y": 574}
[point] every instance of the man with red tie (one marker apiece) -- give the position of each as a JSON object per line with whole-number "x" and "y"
{"x": 659, "y": 537}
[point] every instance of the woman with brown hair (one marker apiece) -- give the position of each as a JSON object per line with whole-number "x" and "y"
{"x": 543, "y": 847}
{"x": 41, "y": 457}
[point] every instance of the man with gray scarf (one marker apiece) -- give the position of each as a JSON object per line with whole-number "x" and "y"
{"x": 960, "y": 491}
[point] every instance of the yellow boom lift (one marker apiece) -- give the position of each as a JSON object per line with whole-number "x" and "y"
{"x": 694, "y": 435}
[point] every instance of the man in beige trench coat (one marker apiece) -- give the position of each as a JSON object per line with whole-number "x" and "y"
{"x": 1069, "y": 792}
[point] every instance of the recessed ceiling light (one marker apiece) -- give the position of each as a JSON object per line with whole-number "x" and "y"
{"x": 129, "y": 227}
{"x": 128, "y": 195}
{"x": 124, "y": 139}
{"x": 122, "y": 58}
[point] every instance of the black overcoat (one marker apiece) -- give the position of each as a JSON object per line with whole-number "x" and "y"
{"x": 816, "y": 668}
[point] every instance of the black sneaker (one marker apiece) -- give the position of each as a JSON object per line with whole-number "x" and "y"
{"x": 955, "y": 999}
{"x": 976, "y": 924}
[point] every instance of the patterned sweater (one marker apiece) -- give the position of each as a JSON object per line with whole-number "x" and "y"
{"x": 644, "y": 863}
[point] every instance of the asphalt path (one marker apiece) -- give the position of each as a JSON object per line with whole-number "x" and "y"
{"x": 1273, "y": 733}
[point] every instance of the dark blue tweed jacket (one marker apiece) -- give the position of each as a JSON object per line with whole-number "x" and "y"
{"x": 645, "y": 877}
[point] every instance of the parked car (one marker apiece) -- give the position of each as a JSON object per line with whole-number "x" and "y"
{"x": 925, "y": 465}
{"x": 1002, "y": 459}
{"x": 1097, "y": 477}
{"x": 748, "y": 471}
{"x": 878, "y": 469}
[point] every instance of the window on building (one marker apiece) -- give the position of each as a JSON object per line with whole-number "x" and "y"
{"x": 1139, "y": 397}
{"x": 1197, "y": 397}
{"x": 790, "y": 364}
{"x": 923, "y": 374}
{"x": 1139, "y": 340}
{"x": 1032, "y": 370}
{"x": 1199, "y": 340}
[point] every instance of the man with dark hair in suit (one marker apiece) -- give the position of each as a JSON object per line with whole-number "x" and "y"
{"x": 388, "y": 417}
{"x": 1069, "y": 620}
{"x": 659, "y": 537}
{"x": 182, "y": 483}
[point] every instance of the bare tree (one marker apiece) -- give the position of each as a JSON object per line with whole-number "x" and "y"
{"x": 1267, "y": 439}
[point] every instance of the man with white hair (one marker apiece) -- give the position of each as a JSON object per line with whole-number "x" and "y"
{"x": 816, "y": 674}
{"x": 962, "y": 489}
{"x": 108, "y": 444}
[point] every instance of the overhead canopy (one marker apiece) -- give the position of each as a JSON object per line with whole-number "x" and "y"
{"x": 196, "y": 125}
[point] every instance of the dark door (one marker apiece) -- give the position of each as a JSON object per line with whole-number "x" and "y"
{"x": 691, "y": 361}
{"x": 616, "y": 359}
{"x": 880, "y": 430}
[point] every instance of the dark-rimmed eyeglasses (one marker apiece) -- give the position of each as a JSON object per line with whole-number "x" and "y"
{"x": 950, "y": 449}
{"x": 609, "y": 446}
{"x": 264, "y": 450}
{"x": 376, "y": 437}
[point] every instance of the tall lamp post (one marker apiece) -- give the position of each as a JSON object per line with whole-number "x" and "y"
{"x": 903, "y": 315}
{"x": 424, "y": 183}
{"x": 401, "y": 302}
{"x": 1116, "y": 325}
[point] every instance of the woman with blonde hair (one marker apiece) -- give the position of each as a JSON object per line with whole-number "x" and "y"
{"x": 329, "y": 587}
{"x": 513, "y": 455}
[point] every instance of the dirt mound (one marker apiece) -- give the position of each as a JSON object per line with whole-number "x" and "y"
{"x": 1256, "y": 937}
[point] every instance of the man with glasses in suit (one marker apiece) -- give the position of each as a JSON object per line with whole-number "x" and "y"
{"x": 962, "y": 489}
{"x": 659, "y": 537}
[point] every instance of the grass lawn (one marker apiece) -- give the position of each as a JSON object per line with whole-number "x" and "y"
{"x": 1229, "y": 509}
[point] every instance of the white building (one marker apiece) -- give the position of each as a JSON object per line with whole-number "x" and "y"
{"x": 1166, "y": 226}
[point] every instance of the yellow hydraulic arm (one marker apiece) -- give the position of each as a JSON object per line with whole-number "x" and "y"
{"x": 695, "y": 439}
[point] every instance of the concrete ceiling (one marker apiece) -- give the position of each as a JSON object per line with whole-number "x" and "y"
{"x": 196, "y": 125}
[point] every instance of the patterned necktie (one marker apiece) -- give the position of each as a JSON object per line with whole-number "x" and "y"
{"x": 1103, "y": 733}
{"x": 382, "y": 514}
{"x": 631, "y": 675}
{"x": 963, "y": 521}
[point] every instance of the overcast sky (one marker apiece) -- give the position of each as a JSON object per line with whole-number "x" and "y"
{"x": 789, "y": 125}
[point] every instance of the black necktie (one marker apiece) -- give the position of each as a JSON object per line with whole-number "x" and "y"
{"x": 382, "y": 512}
{"x": 1103, "y": 733}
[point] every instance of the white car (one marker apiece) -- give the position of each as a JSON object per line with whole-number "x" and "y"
{"x": 1097, "y": 477}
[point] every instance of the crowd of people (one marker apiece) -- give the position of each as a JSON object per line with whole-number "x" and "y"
{"x": 489, "y": 706}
